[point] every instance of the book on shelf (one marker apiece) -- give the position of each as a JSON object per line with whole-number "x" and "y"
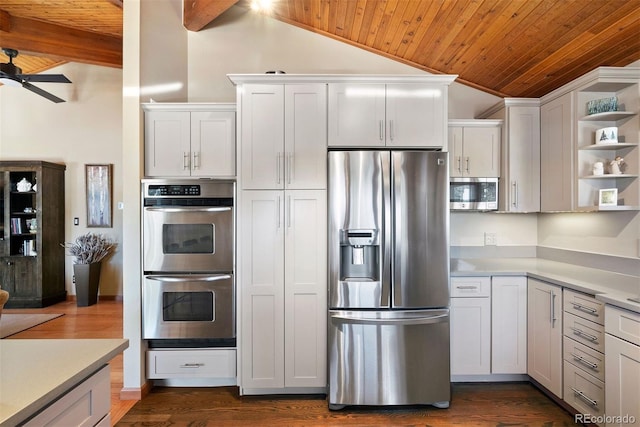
{"x": 16, "y": 226}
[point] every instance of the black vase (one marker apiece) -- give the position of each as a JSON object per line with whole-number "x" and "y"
{"x": 87, "y": 280}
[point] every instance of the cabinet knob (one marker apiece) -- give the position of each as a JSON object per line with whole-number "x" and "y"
{"x": 9, "y": 262}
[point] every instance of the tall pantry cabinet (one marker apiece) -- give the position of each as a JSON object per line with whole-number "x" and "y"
{"x": 282, "y": 234}
{"x": 31, "y": 233}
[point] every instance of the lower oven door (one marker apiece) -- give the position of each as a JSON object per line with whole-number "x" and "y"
{"x": 190, "y": 306}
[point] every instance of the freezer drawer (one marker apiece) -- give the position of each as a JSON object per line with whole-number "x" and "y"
{"x": 389, "y": 358}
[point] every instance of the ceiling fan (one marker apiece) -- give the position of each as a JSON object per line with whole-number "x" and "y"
{"x": 11, "y": 75}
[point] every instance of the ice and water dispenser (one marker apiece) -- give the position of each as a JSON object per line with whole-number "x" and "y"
{"x": 359, "y": 255}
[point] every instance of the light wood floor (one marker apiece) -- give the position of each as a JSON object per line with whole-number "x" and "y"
{"x": 506, "y": 404}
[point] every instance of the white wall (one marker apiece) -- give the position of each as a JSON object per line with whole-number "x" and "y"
{"x": 87, "y": 128}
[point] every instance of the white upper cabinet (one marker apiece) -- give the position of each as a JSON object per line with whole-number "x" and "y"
{"x": 400, "y": 114}
{"x": 474, "y": 148}
{"x": 520, "y": 176}
{"x": 284, "y": 136}
{"x": 557, "y": 165}
{"x": 190, "y": 140}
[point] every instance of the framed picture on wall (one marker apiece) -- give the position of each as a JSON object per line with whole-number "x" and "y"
{"x": 608, "y": 197}
{"x": 99, "y": 188}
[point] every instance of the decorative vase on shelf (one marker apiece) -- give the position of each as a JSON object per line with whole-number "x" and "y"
{"x": 23, "y": 185}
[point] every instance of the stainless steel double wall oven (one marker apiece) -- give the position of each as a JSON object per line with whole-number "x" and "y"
{"x": 188, "y": 294}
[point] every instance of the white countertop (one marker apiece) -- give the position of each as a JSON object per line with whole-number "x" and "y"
{"x": 35, "y": 372}
{"x": 609, "y": 287}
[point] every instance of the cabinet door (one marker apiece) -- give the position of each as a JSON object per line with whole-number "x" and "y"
{"x": 557, "y": 165}
{"x": 481, "y": 156}
{"x": 306, "y": 288}
{"x": 167, "y": 143}
{"x": 523, "y": 178}
{"x": 544, "y": 335}
{"x": 622, "y": 385}
{"x": 263, "y": 159}
{"x": 306, "y": 136}
{"x": 456, "y": 159}
{"x": 213, "y": 143}
{"x": 356, "y": 115}
{"x": 470, "y": 336}
{"x": 416, "y": 115}
{"x": 19, "y": 277}
{"x": 509, "y": 325}
{"x": 262, "y": 287}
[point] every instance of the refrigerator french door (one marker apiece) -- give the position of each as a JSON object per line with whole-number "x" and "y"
{"x": 388, "y": 278}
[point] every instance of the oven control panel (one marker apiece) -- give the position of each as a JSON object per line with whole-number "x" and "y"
{"x": 173, "y": 190}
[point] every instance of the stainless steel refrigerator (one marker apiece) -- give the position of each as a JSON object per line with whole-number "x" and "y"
{"x": 388, "y": 278}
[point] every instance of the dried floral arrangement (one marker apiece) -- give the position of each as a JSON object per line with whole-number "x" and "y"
{"x": 89, "y": 248}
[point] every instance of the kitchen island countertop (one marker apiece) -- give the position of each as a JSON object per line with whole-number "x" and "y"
{"x": 609, "y": 287}
{"x": 35, "y": 372}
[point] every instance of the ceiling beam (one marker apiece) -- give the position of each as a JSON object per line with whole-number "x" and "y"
{"x": 55, "y": 41}
{"x": 199, "y": 13}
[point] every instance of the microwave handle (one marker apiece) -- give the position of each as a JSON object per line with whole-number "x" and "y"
{"x": 187, "y": 209}
{"x": 190, "y": 278}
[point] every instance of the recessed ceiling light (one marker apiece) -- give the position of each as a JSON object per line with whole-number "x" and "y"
{"x": 262, "y": 5}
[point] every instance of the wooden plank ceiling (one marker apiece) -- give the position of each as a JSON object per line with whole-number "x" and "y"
{"x": 517, "y": 48}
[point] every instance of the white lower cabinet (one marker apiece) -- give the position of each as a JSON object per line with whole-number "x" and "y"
{"x": 210, "y": 366}
{"x": 622, "y": 367}
{"x": 544, "y": 334}
{"x": 488, "y": 326}
{"x": 283, "y": 291}
{"x": 88, "y": 404}
{"x": 508, "y": 325}
{"x": 470, "y": 326}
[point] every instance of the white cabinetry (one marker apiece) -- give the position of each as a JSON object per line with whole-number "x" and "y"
{"x": 569, "y": 149}
{"x": 488, "y": 328}
{"x": 583, "y": 324}
{"x": 190, "y": 140}
{"x": 470, "y": 325}
{"x": 520, "y": 175}
{"x": 557, "y": 155}
{"x": 474, "y": 147}
{"x": 622, "y": 366}
{"x": 408, "y": 112}
{"x": 508, "y": 325}
{"x": 544, "y": 335}
{"x": 284, "y": 136}
{"x": 283, "y": 290}
{"x": 88, "y": 404}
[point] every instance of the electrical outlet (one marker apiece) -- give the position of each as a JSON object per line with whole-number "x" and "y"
{"x": 73, "y": 279}
{"x": 490, "y": 239}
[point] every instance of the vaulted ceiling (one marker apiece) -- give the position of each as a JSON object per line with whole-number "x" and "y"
{"x": 517, "y": 48}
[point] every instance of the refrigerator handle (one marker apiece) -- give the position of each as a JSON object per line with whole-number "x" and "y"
{"x": 387, "y": 237}
{"x": 440, "y": 318}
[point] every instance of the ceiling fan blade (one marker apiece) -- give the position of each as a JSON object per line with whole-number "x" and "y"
{"x": 44, "y": 78}
{"x": 41, "y": 92}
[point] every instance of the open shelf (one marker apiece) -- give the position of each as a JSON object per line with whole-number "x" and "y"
{"x": 609, "y": 116}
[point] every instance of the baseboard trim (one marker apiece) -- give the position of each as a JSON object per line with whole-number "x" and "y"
{"x": 72, "y": 298}
{"x": 136, "y": 393}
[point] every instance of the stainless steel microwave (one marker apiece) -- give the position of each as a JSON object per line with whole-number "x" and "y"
{"x": 473, "y": 194}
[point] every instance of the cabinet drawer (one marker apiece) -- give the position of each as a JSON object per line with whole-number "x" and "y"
{"x": 582, "y": 391}
{"x": 210, "y": 363}
{"x": 583, "y": 305}
{"x": 584, "y": 358}
{"x": 584, "y": 331}
{"x": 623, "y": 324}
{"x": 470, "y": 287}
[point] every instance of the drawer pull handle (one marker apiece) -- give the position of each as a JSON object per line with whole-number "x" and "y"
{"x": 582, "y": 360}
{"x": 583, "y": 334}
{"x": 588, "y": 310}
{"x": 585, "y": 397}
{"x": 467, "y": 287}
{"x": 192, "y": 365}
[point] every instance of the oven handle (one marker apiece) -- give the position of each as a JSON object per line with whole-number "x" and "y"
{"x": 188, "y": 209}
{"x": 190, "y": 278}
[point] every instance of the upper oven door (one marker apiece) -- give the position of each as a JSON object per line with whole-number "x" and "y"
{"x": 191, "y": 239}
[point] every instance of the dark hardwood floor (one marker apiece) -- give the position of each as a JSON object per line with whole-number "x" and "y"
{"x": 495, "y": 404}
